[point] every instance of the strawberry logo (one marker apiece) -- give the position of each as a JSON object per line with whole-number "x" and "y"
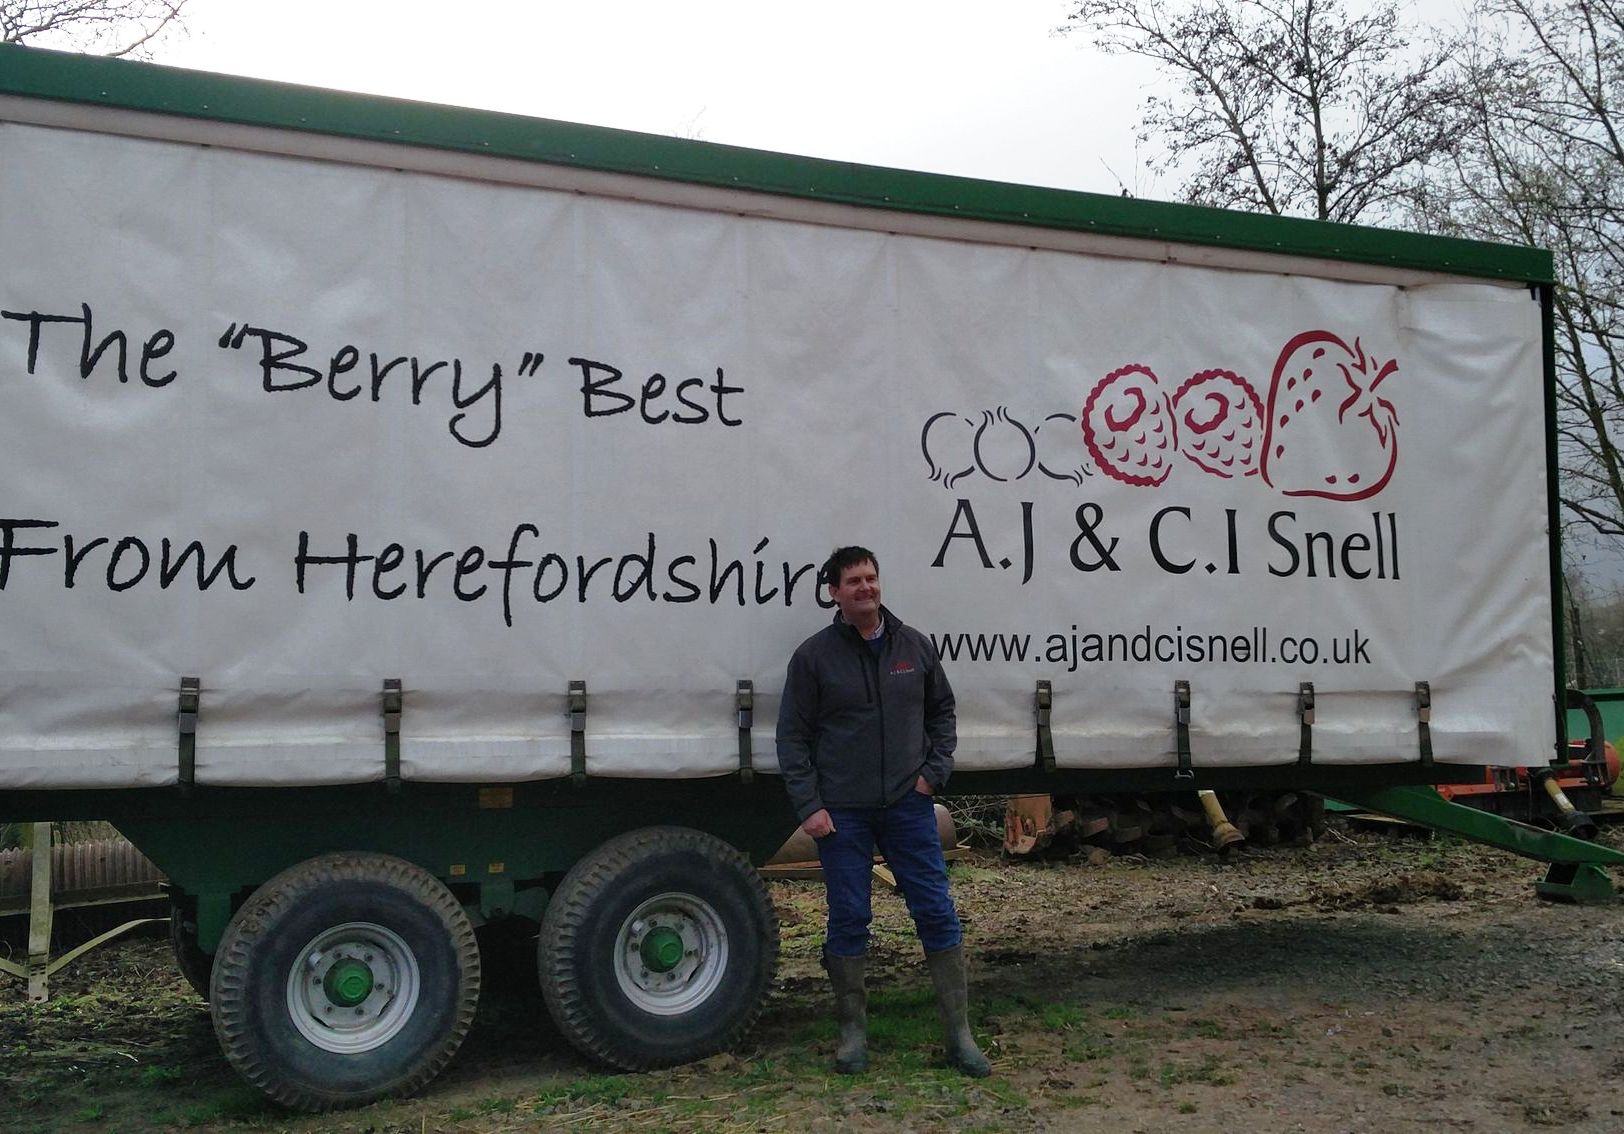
{"x": 1221, "y": 423}
{"x": 1327, "y": 433}
{"x": 1128, "y": 426}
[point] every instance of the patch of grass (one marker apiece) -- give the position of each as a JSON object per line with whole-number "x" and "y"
{"x": 1271, "y": 1030}
{"x": 593, "y": 1089}
{"x": 1121, "y": 1012}
{"x": 1076, "y": 1102}
{"x": 902, "y": 1019}
{"x": 235, "y": 1102}
{"x": 1004, "y": 1092}
{"x": 1209, "y": 1070}
{"x": 756, "y": 1072}
{"x": 1086, "y": 1047}
{"x": 1555, "y": 1111}
{"x": 1206, "y": 1029}
{"x": 95, "y": 1112}
{"x": 1188, "y": 1108}
{"x": 959, "y": 872}
{"x": 159, "y": 1076}
{"x": 1061, "y": 1017}
{"x": 1022, "y": 1002}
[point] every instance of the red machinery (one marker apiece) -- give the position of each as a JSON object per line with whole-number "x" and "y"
{"x": 1560, "y": 794}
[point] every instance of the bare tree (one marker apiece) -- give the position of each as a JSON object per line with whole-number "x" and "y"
{"x": 1594, "y": 614}
{"x": 102, "y": 27}
{"x": 1544, "y": 165}
{"x": 1302, "y": 107}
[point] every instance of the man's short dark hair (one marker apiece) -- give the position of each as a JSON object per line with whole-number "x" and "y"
{"x": 843, "y": 558}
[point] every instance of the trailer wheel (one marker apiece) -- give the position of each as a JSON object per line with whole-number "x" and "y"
{"x": 194, "y": 964}
{"x": 658, "y": 949}
{"x": 345, "y": 979}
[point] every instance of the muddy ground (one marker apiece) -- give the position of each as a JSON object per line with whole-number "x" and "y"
{"x": 1369, "y": 982}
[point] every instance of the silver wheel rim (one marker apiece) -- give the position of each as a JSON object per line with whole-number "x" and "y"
{"x": 692, "y": 978}
{"x": 341, "y": 1026}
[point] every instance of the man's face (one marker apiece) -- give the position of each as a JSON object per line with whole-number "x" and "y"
{"x": 858, "y": 592}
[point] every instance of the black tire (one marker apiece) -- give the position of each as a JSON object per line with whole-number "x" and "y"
{"x": 194, "y": 964}
{"x": 656, "y": 887}
{"x": 381, "y": 929}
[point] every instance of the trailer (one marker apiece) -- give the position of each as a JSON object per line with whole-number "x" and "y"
{"x": 407, "y": 513}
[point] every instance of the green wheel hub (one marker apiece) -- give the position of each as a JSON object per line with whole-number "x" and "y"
{"x": 662, "y": 949}
{"x": 353, "y": 987}
{"x": 671, "y": 953}
{"x": 348, "y": 983}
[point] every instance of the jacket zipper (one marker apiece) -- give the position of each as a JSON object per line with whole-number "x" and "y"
{"x": 873, "y": 694}
{"x": 879, "y": 696}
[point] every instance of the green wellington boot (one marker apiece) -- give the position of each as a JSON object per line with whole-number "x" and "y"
{"x": 851, "y": 1012}
{"x": 953, "y": 1004}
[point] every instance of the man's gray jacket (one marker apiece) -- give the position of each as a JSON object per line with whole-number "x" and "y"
{"x": 858, "y": 730}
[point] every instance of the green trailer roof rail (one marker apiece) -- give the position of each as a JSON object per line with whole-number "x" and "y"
{"x": 95, "y": 80}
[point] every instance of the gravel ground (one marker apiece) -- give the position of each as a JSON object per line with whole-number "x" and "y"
{"x": 1368, "y": 982}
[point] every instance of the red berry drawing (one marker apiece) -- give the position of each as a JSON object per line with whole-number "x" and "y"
{"x": 1128, "y": 426}
{"x": 1327, "y": 433}
{"x": 1220, "y": 421}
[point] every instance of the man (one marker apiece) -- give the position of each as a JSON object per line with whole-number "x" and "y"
{"x": 865, "y": 739}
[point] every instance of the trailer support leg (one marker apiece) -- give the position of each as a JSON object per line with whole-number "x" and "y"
{"x": 40, "y": 914}
{"x": 1576, "y": 873}
{"x": 1583, "y": 883}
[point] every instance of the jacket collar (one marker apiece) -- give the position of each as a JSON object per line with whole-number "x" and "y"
{"x": 890, "y": 621}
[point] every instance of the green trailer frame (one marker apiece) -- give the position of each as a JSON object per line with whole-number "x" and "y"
{"x": 503, "y": 849}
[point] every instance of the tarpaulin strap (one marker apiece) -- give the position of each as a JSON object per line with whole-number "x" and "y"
{"x": 1423, "y": 717}
{"x": 191, "y": 692}
{"x": 1305, "y": 714}
{"x": 392, "y": 698}
{"x": 1043, "y": 706}
{"x": 1181, "y": 728}
{"x": 577, "y": 715}
{"x": 744, "y": 700}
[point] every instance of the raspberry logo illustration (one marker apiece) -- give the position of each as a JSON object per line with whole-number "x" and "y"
{"x": 1327, "y": 433}
{"x": 1128, "y": 426}
{"x": 1220, "y": 421}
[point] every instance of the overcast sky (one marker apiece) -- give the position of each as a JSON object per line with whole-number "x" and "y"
{"x": 974, "y": 87}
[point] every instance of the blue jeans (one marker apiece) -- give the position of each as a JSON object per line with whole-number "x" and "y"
{"x": 906, "y": 834}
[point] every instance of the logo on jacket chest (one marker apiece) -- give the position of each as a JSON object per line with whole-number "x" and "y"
{"x": 898, "y": 668}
